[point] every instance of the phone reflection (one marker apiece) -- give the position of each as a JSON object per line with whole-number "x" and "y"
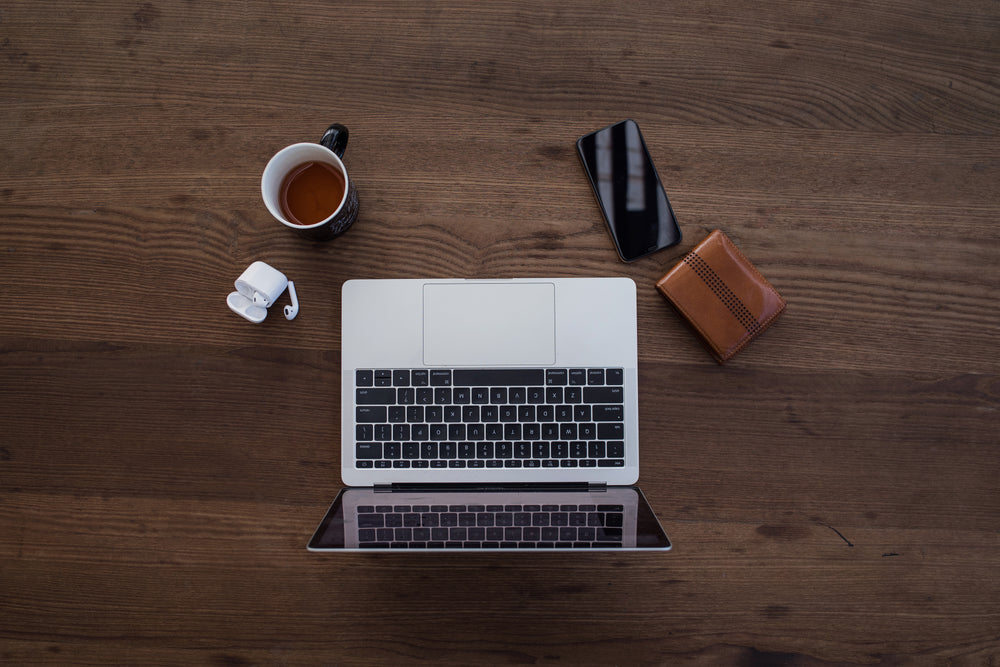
{"x": 629, "y": 191}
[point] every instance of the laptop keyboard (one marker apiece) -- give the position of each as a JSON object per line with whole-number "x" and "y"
{"x": 490, "y": 526}
{"x": 490, "y": 418}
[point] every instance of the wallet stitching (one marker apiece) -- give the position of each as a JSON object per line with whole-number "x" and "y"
{"x": 722, "y": 292}
{"x": 729, "y": 299}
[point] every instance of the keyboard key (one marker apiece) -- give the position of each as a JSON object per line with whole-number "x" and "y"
{"x": 383, "y": 378}
{"x": 609, "y": 413}
{"x": 616, "y": 449}
{"x": 370, "y": 414}
{"x": 368, "y": 450}
{"x": 419, "y": 378}
{"x": 577, "y": 376}
{"x": 611, "y": 431}
{"x": 603, "y": 394}
{"x": 401, "y": 378}
{"x": 498, "y": 377}
{"x": 555, "y": 377}
{"x": 375, "y": 396}
{"x": 615, "y": 376}
{"x": 595, "y": 376}
{"x": 440, "y": 378}
{"x": 364, "y": 378}
{"x": 364, "y": 432}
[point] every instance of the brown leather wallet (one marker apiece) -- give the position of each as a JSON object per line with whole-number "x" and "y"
{"x": 722, "y": 295}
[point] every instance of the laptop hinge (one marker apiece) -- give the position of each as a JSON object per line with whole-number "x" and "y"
{"x": 383, "y": 488}
{"x": 597, "y": 486}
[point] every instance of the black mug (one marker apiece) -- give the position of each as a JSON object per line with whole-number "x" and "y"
{"x": 305, "y": 186}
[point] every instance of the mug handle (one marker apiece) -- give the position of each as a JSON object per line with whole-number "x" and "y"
{"x": 335, "y": 138}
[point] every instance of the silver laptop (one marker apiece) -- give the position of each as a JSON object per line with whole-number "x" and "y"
{"x": 486, "y": 415}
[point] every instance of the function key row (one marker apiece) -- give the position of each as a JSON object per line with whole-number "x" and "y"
{"x": 489, "y": 377}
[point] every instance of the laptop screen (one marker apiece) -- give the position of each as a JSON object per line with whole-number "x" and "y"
{"x": 507, "y": 519}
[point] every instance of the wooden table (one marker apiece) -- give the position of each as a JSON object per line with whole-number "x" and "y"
{"x": 832, "y": 493}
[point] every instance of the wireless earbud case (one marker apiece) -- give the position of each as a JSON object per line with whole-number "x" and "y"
{"x": 261, "y": 283}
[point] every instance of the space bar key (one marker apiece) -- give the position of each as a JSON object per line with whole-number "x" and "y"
{"x": 498, "y": 377}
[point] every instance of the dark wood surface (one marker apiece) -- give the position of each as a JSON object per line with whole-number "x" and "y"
{"x": 832, "y": 494}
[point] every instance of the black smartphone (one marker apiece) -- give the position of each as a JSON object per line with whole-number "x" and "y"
{"x": 628, "y": 190}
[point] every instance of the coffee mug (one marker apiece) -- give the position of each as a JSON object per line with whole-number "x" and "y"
{"x": 306, "y": 187}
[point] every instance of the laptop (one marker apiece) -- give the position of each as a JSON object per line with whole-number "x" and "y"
{"x": 489, "y": 415}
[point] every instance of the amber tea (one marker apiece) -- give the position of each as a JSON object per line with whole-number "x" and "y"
{"x": 311, "y": 193}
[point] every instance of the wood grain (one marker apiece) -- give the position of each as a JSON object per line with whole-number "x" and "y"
{"x": 832, "y": 494}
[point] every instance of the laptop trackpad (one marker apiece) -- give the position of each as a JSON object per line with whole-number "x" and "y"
{"x": 489, "y": 324}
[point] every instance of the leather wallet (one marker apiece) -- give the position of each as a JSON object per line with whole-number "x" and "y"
{"x": 722, "y": 295}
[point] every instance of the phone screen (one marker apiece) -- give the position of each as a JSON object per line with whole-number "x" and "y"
{"x": 628, "y": 190}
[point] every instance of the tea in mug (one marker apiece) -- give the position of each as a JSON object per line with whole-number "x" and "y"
{"x": 311, "y": 193}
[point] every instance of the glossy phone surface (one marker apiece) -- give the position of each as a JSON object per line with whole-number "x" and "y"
{"x": 628, "y": 190}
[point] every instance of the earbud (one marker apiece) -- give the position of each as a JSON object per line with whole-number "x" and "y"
{"x": 292, "y": 310}
{"x": 260, "y": 300}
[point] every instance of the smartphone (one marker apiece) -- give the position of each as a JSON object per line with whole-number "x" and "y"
{"x": 628, "y": 190}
